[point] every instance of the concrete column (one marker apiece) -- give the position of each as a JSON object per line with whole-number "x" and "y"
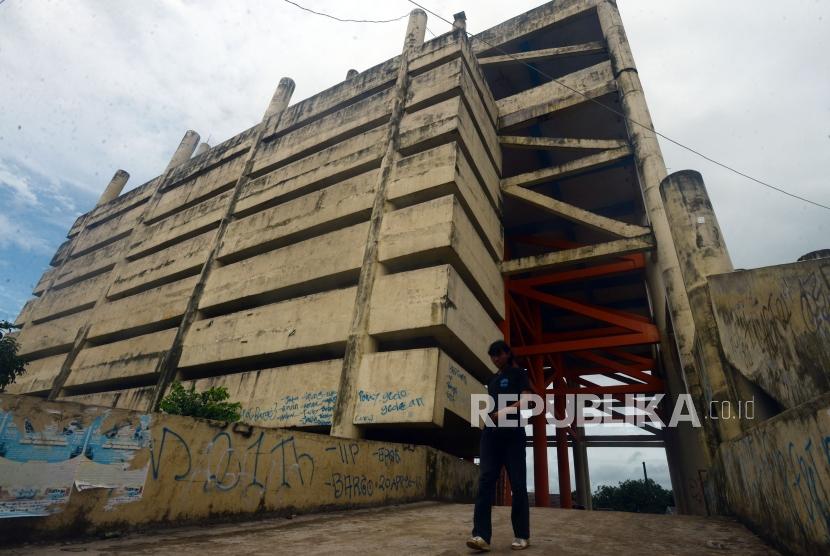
{"x": 201, "y": 149}
{"x": 702, "y": 252}
{"x": 359, "y": 341}
{"x": 459, "y": 21}
{"x": 184, "y": 150}
{"x": 351, "y": 73}
{"x": 279, "y": 102}
{"x": 416, "y": 29}
{"x": 581, "y": 475}
{"x": 665, "y": 284}
{"x": 114, "y": 188}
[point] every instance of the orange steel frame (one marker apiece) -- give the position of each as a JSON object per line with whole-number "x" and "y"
{"x": 598, "y": 348}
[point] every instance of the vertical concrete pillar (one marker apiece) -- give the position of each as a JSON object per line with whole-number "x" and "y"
{"x": 670, "y": 304}
{"x": 201, "y": 149}
{"x": 114, "y": 188}
{"x": 359, "y": 341}
{"x": 279, "y": 102}
{"x": 184, "y": 150}
{"x": 702, "y": 252}
{"x": 351, "y": 73}
{"x": 581, "y": 475}
{"x": 459, "y": 21}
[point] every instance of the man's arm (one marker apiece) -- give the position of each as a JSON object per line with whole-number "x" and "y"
{"x": 495, "y": 414}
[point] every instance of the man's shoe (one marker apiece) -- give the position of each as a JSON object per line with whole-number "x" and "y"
{"x": 519, "y": 544}
{"x": 477, "y": 543}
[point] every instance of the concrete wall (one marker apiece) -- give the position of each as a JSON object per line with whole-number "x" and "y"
{"x": 138, "y": 469}
{"x": 271, "y": 313}
{"x": 776, "y": 478}
{"x": 774, "y": 324}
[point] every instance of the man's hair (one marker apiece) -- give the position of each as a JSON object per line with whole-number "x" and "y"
{"x": 499, "y": 346}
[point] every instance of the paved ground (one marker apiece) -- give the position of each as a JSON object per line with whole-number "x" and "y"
{"x": 433, "y": 528}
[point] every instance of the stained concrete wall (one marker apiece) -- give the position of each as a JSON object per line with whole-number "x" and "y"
{"x": 174, "y": 469}
{"x": 774, "y": 324}
{"x": 278, "y": 300}
{"x": 776, "y": 478}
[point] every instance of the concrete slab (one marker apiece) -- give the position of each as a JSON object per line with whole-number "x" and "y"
{"x": 108, "y": 231}
{"x": 437, "y": 528}
{"x": 122, "y": 203}
{"x": 413, "y": 387}
{"x": 348, "y": 158}
{"x": 346, "y": 202}
{"x": 442, "y": 171}
{"x": 330, "y": 129}
{"x": 25, "y": 314}
{"x": 438, "y": 305}
{"x": 128, "y": 398}
{"x": 177, "y": 261}
{"x": 51, "y": 336}
{"x": 94, "y": 262}
{"x": 81, "y": 295}
{"x": 48, "y": 275}
{"x": 317, "y": 322}
{"x": 39, "y": 375}
{"x": 436, "y": 232}
{"x": 292, "y": 396}
{"x": 224, "y": 151}
{"x": 324, "y": 262}
{"x": 201, "y": 187}
{"x": 130, "y": 358}
{"x": 181, "y": 225}
{"x": 159, "y": 307}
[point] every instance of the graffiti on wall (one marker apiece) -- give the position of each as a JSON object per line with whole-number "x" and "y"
{"x": 41, "y": 460}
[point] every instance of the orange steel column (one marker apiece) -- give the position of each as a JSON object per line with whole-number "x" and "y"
{"x": 538, "y": 422}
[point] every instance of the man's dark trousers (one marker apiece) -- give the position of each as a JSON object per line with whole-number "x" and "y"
{"x": 502, "y": 446}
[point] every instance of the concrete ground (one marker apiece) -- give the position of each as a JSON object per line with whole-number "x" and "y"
{"x": 433, "y": 528}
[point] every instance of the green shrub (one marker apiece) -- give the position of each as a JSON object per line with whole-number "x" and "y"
{"x": 643, "y": 496}
{"x": 210, "y": 404}
{"x": 11, "y": 365}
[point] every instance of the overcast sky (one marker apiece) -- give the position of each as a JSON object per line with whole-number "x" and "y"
{"x": 92, "y": 86}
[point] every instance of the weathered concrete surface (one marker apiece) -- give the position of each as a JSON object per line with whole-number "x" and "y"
{"x": 774, "y": 324}
{"x": 108, "y": 230}
{"x": 51, "y": 336}
{"x": 177, "y": 261}
{"x": 438, "y": 304}
{"x": 412, "y": 386}
{"x": 94, "y": 262}
{"x": 777, "y": 478}
{"x": 438, "y": 231}
{"x": 318, "y": 321}
{"x": 130, "y": 358}
{"x": 196, "y": 470}
{"x": 435, "y": 528}
{"x": 158, "y": 307}
{"x": 292, "y": 396}
{"x": 128, "y": 398}
{"x": 323, "y": 262}
{"x": 39, "y": 375}
{"x": 81, "y": 295}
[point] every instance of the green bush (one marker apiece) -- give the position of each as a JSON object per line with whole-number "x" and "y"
{"x": 643, "y": 496}
{"x": 210, "y": 404}
{"x": 11, "y": 365}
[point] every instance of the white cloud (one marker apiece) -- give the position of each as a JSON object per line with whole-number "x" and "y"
{"x": 20, "y": 236}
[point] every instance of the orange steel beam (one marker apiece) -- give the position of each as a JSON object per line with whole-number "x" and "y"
{"x": 582, "y": 273}
{"x": 649, "y": 337}
{"x": 580, "y": 334}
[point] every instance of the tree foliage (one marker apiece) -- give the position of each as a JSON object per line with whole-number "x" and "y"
{"x": 210, "y": 404}
{"x": 11, "y": 365}
{"x": 643, "y": 496}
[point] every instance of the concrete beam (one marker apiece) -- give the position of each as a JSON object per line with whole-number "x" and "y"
{"x": 584, "y": 164}
{"x": 91, "y": 263}
{"x": 596, "y": 47}
{"x": 552, "y": 143}
{"x": 575, "y": 214}
{"x": 39, "y": 375}
{"x": 108, "y": 231}
{"x": 50, "y": 337}
{"x": 78, "y": 296}
{"x": 127, "y": 398}
{"x": 524, "y": 108}
{"x": 580, "y": 254}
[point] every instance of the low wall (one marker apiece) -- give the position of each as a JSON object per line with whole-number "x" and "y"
{"x": 776, "y": 478}
{"x": 70, "y": 469}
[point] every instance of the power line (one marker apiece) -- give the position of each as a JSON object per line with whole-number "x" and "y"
{"x": 620, "y": 114}
{"x": 338, "y": 18}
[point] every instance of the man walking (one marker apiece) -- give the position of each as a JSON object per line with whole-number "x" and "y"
{"x": 503, "y": 445}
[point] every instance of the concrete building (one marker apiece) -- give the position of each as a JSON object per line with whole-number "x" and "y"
{"x": 342, "y": 266}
